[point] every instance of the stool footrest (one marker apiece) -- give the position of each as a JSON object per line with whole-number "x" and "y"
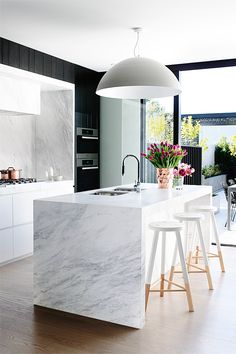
{"x": 166, "y": 290}
{"x": 197, "y": 267}
{"x": 172, "y": 283}
{"x": 209, "y": 254}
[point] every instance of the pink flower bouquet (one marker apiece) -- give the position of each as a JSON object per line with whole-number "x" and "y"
{"x": 183, "y": 170}
{"x": 164, "y": 155}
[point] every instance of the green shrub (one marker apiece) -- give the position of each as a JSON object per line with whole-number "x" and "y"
{"x": 225, "y": 152}
{"x": 211, "y": 170}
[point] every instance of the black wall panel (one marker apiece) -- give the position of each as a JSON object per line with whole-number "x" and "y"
{"x": 194, "y": 158}
{"x": 47, "y": 65}
{"x": 85, "y": 80}
{"x": 14, "y": 55}
{"x": 31, "y": 55}
{"x": 24, "y": 58}
{"x": 68, "y": 72}
{"x": 38, "y": 63}
{"x": 5, "y": 52}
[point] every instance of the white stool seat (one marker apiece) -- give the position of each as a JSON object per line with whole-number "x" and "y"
{"x": 166, "y": 226}
{"x": 188, "y": 216}
{"x": 203, "y": 208}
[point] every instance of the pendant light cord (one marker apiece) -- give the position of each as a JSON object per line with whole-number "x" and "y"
{"x": 137, "y": 42}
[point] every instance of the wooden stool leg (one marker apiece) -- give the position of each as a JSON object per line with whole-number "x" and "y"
{"x": 204, "y": 254}
{"x": 184, "y": 270}
{"x": 172, "y": 269}
{"x": 151, "y": 266}
{"x": 216, "y": 233}
{"x": 189, "y": 260}
{"x": 163, "y": 261}
{"x": 197, "y": 254}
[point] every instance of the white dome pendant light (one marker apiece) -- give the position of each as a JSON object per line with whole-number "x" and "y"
{"x": 138, "y": 78}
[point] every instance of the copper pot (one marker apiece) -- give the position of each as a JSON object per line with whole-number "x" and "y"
{"x": 13, "y": 173}
{"x": 4, "y": 174}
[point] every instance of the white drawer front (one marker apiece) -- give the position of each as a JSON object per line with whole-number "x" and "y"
{"x": 5, "y": 211}
{"x": 6, "y": 245}
{"x": 23, "y": 240}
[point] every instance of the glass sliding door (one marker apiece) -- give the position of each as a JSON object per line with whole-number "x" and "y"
{"x": 157, "y": 115}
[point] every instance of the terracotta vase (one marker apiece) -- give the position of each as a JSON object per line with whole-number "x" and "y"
{"x": 164, "y": 177}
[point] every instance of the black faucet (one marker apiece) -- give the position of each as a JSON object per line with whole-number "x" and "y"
{"x": 137, "y": 183}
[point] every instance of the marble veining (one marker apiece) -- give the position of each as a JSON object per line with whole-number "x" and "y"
{"x": 17, "y": 143}
{"x": 94, "y": 270}
{"x": 34, "y": 143}
{"x": 90, "y": 251}
{"x": 54, "y": 134}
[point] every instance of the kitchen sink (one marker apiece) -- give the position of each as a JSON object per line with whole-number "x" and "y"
{"x": 110, "y": 193}
{"x": 127, "y": 189}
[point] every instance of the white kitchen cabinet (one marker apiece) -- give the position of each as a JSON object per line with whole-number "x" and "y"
{"x": 23, "y": 240}
{"x": 6, "y": 211}
{"x": 23, "y": 207}
{"x": 16, "y": 217}
{"x": 6, "y": 245}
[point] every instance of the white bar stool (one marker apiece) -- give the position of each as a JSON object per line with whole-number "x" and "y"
{"x": 211, "y": 211}
{"x": 196, "y": 218}
{"x": 164, "y": 227}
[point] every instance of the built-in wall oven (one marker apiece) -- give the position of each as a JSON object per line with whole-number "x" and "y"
{"x": 87, "y": 140}
{"x": 87, "y": 159}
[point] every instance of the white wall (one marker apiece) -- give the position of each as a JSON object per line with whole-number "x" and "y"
{"x": 120, "y": 135}
{"x": 214, "y": 134}
{"x": 110, "y": 142}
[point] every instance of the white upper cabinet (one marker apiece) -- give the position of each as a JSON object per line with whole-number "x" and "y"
{"x": 19, "y": 96}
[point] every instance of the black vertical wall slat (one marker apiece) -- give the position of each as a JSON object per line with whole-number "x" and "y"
{"x": 1, "y": 41}
{"x": 47, "y": 65}
{"x": 31, "y": 55}
{"x": 194, "y": 158}
{"x": 69, "y": 72}
{"x": 59, "y": 69}
{"x": 5, "y": 52}
{"x": 24, "y": 58}
{"x": 14, "y": 55}
{"x": 38, "y": 63}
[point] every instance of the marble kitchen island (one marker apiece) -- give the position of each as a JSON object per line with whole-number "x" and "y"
{"x": 90, "y": 250}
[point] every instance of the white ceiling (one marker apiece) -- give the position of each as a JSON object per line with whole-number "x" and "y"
{"x": 96, "y": 33}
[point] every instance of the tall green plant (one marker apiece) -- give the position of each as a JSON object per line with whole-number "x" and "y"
{"x": 190, "y": 132}
{"x": 159, "y": 123}
{"x": 225, "y": 153}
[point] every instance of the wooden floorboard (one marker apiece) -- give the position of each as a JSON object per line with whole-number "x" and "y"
{"x": 170, "y": 328}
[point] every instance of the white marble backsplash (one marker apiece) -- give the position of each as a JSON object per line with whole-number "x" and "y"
{"x": 17, "y": 143}
{"x": 36, "y": 143}
{"x": 54, "y": 134}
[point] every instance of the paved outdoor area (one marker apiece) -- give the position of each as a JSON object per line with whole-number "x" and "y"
{"x": 226, "y": 237}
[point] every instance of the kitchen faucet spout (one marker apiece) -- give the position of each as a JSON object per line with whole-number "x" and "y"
{"x": 137, "y": 183}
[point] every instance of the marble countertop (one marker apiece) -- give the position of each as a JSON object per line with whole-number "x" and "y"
{"x": 27, "y": 187}
{"x": 149, "y": 196}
